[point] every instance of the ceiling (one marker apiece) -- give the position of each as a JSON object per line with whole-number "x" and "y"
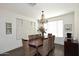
{"x": 34, "y": 10}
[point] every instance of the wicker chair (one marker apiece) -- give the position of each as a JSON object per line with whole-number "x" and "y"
{"x": 48, "y": 45}
{"x": 28, "y": 51}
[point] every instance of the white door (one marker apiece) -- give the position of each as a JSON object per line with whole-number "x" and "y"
{"x": 0, "y": 27}
{"x": 2, "y": 30}
{"x": 19, "y": 26}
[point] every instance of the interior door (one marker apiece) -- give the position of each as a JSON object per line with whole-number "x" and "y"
{"x": 0, "y": 28}
{"x": 19, "y": 26}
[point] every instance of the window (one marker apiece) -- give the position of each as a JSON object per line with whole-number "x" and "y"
{"x": 55, "y": 27}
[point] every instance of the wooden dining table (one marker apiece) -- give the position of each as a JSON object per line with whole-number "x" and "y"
{"x": 36, "y": 43}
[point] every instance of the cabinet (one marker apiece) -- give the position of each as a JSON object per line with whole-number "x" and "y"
{"x": 71, "y": 48}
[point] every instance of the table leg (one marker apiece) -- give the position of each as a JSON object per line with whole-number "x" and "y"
{"x": 37, "y": 53}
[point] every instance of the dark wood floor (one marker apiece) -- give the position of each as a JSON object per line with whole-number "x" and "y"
{"x": 59, "y": 51}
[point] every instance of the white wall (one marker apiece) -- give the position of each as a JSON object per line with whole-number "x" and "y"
{"x": 9, "y": 42}
{"x": 76, "y": 24}
{"x": 67, "y": 19}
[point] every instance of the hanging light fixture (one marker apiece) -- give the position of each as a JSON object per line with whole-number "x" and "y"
{"x": 41, "y": 24}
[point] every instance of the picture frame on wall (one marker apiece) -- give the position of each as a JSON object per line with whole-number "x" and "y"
{"x": 68, "y": 27}
{"x": 8, "y": 28}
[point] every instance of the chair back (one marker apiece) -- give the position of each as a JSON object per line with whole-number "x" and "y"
{"x": 49, "y": 35}
{"x": 26, "y": 47}
{"x": 32, "y": 37}
{"x": 50, "y": 41}
{"x": 53, "y": 41}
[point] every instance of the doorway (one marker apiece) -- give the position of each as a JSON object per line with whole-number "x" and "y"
{"x": 19, "y": 30}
